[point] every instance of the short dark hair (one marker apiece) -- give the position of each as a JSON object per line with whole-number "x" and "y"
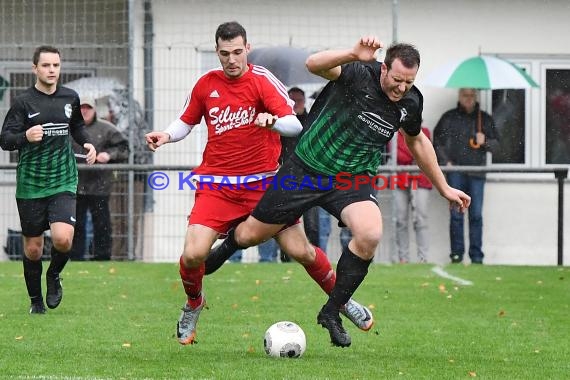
{"x": 297, "y": 90}
{"x": 229, "y": 31}
{"x": 43, "y": 49}
{"x": 406, "y": 53}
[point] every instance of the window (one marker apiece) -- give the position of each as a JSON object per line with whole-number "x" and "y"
{"x": 509, "y": 115}
{"x": 534, "y": 124}
{"x": 557, "y": 116}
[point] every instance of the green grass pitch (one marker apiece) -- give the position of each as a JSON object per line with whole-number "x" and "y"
{"x": 117, "y": 321}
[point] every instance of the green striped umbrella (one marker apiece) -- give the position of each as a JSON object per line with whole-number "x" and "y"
{"x": 481, "y": 72}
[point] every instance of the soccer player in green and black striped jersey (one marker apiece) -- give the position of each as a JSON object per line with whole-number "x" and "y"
{"x": 38, "y": 125}
{"x": 353, "y": 118}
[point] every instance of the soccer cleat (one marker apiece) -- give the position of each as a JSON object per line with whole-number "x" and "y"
{"x": 186, "y": 327}
{"x": 38, "y": 307}
{"x": 358, "y": 314}
{"x": 54, "y": 290}
{"x": 333, "y": 323}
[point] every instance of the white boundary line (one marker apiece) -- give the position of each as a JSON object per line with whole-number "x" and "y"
{"x": 440, "y": 272}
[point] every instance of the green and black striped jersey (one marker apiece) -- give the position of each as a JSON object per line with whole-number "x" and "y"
{"x": 352, "y": 120}
{"x": 47, "y": 167}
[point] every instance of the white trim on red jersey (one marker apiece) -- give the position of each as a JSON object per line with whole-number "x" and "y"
{"x": 260, "y": 70}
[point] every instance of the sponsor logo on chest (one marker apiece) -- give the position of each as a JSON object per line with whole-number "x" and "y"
{"x": 377, "y": 123}
{"x": 225, "y": 119}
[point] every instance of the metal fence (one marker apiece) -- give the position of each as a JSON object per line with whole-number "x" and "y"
{"x": 155, "y": 232}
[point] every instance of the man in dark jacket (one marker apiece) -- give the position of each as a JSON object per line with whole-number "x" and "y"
{"x": 463, "y": 136}
{"x": 94, "y": 188}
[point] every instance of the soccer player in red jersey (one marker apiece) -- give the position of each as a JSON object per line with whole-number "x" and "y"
{"x": 246, "y": 109}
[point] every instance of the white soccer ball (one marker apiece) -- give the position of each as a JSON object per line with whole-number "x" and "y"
{"x": 285, "y": 340}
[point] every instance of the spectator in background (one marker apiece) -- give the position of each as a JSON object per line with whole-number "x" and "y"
{"x": 322, "y": 229}
{"x": 94, "y": 188}
{"x": 462, "y": 136}
{"x": 288, "y": 143}
{"x": 558, "y": 126}
{"x": 345, "y": 236}
{"x": 122, "y": 214}
{"x": 268, "y": 251}
{"x": 237, "y": 256}
{"x": 411, "y": 193}
{"x": 315, "y": 220}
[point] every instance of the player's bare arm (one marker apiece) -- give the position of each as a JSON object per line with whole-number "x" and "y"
{"x": 327, "y": 63}
{"x": 424, "y": 154}
{"x": 176, "y": 131}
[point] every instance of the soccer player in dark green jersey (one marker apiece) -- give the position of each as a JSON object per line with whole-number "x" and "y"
{"x": 357, "y": 113}
{"x": 38, "y": 125}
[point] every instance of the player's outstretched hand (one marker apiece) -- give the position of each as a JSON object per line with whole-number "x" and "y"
{"x": 91, "y": 153}
{"x": 457, "y": 199}
{"x": 366, "y": 49}
{"x": 156, "y": 139}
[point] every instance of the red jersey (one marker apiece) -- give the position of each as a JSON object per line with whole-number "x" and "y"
{"x": 235, "y": 146}
{"x": 405, "y": 158}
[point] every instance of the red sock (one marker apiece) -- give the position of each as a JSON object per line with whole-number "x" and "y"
{"x": 321, "y": 271}
{"x": 192, "y": 282}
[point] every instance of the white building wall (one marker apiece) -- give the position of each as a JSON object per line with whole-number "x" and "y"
{"x": 447, "y": 30}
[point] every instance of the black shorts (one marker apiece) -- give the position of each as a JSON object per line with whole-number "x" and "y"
{"x": 296, "y": 188}
{"x": 36, "y": 215}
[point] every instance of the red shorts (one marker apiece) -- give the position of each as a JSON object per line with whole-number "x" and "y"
{"x": 223, "y": 208}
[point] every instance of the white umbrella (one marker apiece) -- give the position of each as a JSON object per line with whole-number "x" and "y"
{"x": 481, "y": 72}
{"x": 96, "y": 87}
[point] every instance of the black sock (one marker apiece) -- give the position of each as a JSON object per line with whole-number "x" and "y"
{"x": 221, "y": 253}
{"x": 350, "y": 272}
{"x": 58, "y": 261}
{"x": 33, "y": 276}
